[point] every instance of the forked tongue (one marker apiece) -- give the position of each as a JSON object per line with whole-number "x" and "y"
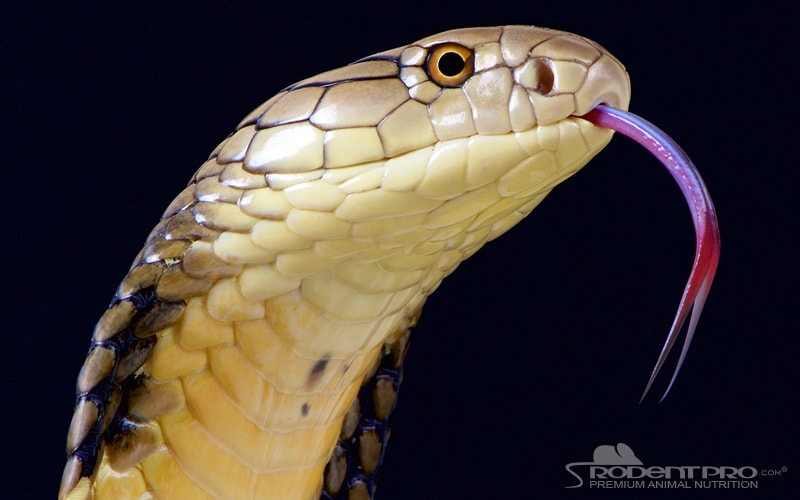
{"x": 705, "y": 222}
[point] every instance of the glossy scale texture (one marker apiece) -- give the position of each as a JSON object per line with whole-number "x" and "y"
{"x": 283, "y": 281}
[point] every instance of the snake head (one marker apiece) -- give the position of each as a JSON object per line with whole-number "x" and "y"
{"x": 497, "y": 80}
{"x": 418, "y": 155}
{"x": 426, "y": 129}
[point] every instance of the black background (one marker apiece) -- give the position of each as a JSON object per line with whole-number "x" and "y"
{"x": 537, "y": 349}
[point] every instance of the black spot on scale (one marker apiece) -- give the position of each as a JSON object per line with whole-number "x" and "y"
{"x": 319, "y": 366}
{"x": 317, "y": 370}
{"x": 304, "y": 409}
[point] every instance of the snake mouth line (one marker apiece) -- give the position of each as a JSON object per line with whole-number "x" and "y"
{"x": 704, "y": 217}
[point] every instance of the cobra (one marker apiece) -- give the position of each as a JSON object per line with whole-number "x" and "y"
{"x": 255, "y": 347}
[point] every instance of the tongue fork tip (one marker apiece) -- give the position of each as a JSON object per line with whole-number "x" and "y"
{"x": 703, "y": 215}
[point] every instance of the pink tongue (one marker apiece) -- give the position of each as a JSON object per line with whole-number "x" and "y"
{"x": 705, "y": 221}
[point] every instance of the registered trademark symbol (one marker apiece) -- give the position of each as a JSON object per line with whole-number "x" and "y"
{"x": 784, "y": 468}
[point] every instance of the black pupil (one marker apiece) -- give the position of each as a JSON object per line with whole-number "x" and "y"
{"x": 451, "y": 64}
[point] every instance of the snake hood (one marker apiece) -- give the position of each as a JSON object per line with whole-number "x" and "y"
{"x": 255, "y": 347}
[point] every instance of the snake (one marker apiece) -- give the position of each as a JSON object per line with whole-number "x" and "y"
{"x": 255, "y": 347}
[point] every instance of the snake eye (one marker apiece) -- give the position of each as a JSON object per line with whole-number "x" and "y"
{"x": 450, "y": 64}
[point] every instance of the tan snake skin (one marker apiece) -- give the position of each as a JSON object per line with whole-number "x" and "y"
{"x": 287, "y": 274}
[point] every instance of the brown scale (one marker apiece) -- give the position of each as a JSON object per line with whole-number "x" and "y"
{"x": 150, "y": 298}
{"x": 352, "y": 470}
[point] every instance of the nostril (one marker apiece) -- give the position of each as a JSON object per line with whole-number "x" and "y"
{"x": 537, "y": 75}
{"x": 544, "y": 75}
